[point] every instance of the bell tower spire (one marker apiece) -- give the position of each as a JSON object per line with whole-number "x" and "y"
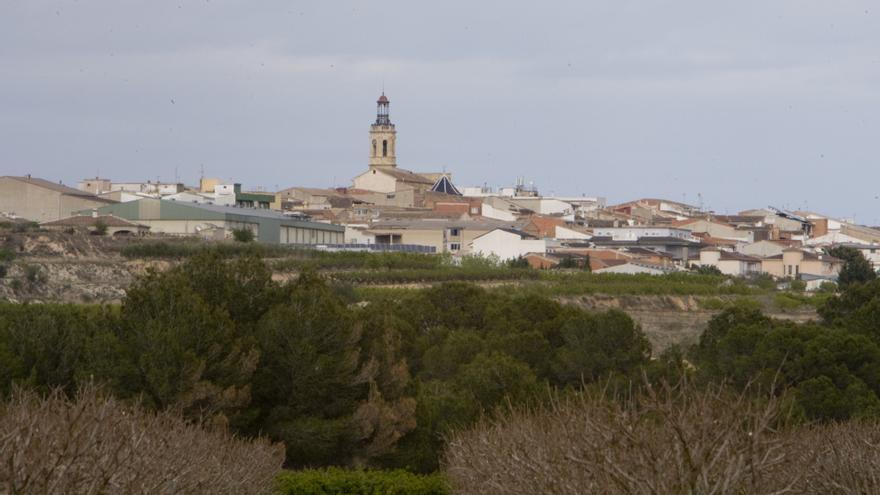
{"x": 383, "y": 136}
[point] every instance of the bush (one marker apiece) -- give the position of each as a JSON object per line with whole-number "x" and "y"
{"x": 3, "y": 270}
{"x": 6, "y": 254}
{"x": 21, "y": 227}
{"x": 92, "y": 444}
{"x": 680, "y": 439}
{"x": 100, "y": 228}
{"x": 707, "y": 270}
{"x": 336, "y": 481}
{"x": 243, "y": 235}
{"x": 788, "y": 302}
{"x": 798, "y": 285}
{"x": 34, "y": 274}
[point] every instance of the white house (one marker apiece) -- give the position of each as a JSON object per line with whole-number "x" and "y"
{"x": 729, "y": 263}
{"x": 637, "y": 267}
{"x": 490, "y": 211}
{"x": 545, "y": 206}
{"x": 763, "y": 249}
{"x": 568, "y": 234}
{"x": 507, "y": 244}
{"x": 634, "y": 233}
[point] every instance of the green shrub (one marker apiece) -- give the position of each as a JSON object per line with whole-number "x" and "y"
{"x": 188, "y": 249}
{"x": 25, "y": 226}
{"x": 34, "y": 274}
{"x": 243, "y": 235}
{"x": 713, "y": 303}
{"x": 100, "y": 228}
{"x": 6, "y": 254}
{"x": 707, "y": 270}
{"x": 787, "y": 302}
{"x": 798, "y": 285}
{"x": 335, "y": 481}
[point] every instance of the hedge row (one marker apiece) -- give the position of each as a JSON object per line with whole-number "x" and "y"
{"x": 446, "y": 274}
{"x": 293, "y": 258}
{"x": 188, "y": 249}
{"x": 336, "y": 481}
{"x": 323, "y": 260}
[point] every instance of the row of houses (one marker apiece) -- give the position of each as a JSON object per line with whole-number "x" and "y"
{"x": 391, "y": 206}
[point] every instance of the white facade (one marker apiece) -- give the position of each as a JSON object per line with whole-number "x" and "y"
{"x": 507, "y": 245}
{"x": 375, "y": 180}
{"x": 762, "y": 249}
{"x": 357, "y": 234}
{"x": 490, "y": 211}
{"x": 159, "y": 188}
{"x": 190, "y": 197}
{"x": 729, "y": 263}
{"x": 635, "y": 233}
{"x": 545, "y": 206}
{"x": 569, "y": 234}
{"x": 634, "y": 269}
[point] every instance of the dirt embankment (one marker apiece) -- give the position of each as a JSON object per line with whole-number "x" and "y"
{"x": 59, "y": 267}
{"x": 668, "y": 320}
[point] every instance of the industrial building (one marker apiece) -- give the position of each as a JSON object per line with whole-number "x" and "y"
{"x": 217, "y": 221}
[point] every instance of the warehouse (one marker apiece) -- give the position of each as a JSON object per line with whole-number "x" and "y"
{"x": 216, "y": 221}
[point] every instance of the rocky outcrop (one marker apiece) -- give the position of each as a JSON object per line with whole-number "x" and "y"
{"x": 668, "y": 320}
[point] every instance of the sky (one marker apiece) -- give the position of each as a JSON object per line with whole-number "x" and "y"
{"x": 728, "y": 105}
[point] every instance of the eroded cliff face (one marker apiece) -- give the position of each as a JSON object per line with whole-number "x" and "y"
{"x": 59, "y": 267}
{"x": 668, "y": 320}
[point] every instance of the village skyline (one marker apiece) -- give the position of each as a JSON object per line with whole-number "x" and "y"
{"x": 747, "y": 106}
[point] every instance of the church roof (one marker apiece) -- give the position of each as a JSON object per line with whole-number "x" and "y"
{"x": 404, "y": 175}
{"x": 444, "y": 185}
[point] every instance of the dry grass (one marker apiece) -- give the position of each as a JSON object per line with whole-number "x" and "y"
{"x": 93, "y": 444}
{"x": 677, "y": 440}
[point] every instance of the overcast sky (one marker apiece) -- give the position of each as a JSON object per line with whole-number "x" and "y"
{"x": 743, "y": 104}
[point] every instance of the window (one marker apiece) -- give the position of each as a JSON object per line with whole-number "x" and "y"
{"x": 455, "y": 232}
{"x": 384, "y": 147}
{"x": 374, "y": 147}
{"x": 454, "y": 246}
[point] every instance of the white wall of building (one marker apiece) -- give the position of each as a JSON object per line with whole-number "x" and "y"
{"x": 635, "y": 233}
{"x": 506, "y": 245}
{"x": 569, "y": 234}
{"x": 490, "y": 211}
{"x": 355, "y": 234}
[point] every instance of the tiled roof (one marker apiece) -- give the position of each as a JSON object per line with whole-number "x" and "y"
{"x": 405, "y": 175}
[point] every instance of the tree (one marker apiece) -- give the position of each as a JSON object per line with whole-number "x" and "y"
{"x": 243, "y": 235}
{"x": 100, "y": 228}
{"x": 306, "y": 387}
{"x": 491, "y": 377}
{"x": 598, "y": 344}
{"x": 856, "y": 309}
{"x": 856, "y": 268}
{"x": 182, "y": 352}
{"x": 50, "y": 346}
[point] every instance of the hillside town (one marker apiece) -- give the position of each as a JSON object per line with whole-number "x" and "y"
{"x": 390, "y": 208}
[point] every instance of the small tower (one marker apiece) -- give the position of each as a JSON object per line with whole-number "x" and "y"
{"x": 383, "y": 137}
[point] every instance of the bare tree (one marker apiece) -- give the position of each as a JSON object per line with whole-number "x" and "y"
{"x": 677, "y": 439}
{"x": 94, "y": 444}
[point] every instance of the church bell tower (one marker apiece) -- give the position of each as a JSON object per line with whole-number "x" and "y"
{"x": 383, "y": 137}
